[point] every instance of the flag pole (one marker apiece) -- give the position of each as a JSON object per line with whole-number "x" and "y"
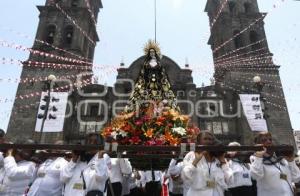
{"x": 155, "y": 21}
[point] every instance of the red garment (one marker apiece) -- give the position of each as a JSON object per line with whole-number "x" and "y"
{"x": 164, "y": 190}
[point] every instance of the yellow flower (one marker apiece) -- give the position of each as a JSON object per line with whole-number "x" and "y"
{"x": 184, "y": 118}
{"x": 149, "y": 133}
{"x": 124, "y": 116}
{"x": 174, "y": 113}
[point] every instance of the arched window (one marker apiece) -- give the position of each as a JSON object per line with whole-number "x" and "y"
{"x": 238, "y": 42}
{"x": 68, "y": 35}
{"x": 231, "y": 6}
{"x": 50, "y": 34}
{"x": 254, "y": 37}
{"x": 248, "y": 7}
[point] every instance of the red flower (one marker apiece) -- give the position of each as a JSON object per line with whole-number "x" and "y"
{"x": 159, "y": 142}
{"x": 127, "y": 128}
{"x": 138, "y": 122}
{"x": 170, "y": 125}
{"x": 193, "y": 130}
{"x": 150, "y": 143}
{"x": 137, "y": 133}
{"x": 125, "y": 141}
{"x": 135, "y": 140}
{"x": 161, "y": 119}
{"x": 146, "y": 118}
{"x": 106, "y": 132}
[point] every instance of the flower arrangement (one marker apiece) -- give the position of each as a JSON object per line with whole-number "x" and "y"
{"x": 149, "y": 127}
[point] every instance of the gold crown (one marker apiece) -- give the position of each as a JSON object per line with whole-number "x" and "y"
{"x": 152, "y": 45}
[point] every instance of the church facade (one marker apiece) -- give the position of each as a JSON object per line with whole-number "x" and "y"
{"x": 215, "y": 108}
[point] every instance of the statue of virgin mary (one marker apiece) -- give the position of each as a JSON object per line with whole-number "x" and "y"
{"x": 152, "y": 84}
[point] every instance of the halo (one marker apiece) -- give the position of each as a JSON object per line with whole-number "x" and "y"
{"x": 152, "y": 45}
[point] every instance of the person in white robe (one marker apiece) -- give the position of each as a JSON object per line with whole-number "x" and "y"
{"x": 274, "y": 175}
{"x": 206, "y": 173}
{"x": 241, "y": 182}
{"x": 175, "y": 181}
{"x": 152, "y": 182}
{"x": 118, "y": 168}
{"x": 81, "y": 177}
{"x": 87, "y": 172}
{"x": 17, "y": 173}
{"x": 135, "y": 184}
{"x": 47, "y": 181}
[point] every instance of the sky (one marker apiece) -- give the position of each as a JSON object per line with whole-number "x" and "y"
{"x": 182, "y": 32}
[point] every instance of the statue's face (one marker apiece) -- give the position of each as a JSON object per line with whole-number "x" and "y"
{"x": 152, "y": 53}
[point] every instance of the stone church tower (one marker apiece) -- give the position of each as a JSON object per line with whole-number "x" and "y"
{"x": 239, "y": 57}
{"x": 55, "y": 30}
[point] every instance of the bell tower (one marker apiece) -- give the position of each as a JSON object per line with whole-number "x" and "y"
{"x": 227, "y": 41}
{"x": 241, "y": 53}
{"x": 64, "y": 47}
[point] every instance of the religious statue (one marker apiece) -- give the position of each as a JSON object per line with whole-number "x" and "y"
{"x": 152, "y": 84}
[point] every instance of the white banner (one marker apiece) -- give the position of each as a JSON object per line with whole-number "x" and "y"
{"x": 253, "y": 112}
{"x": 56, "y": 112}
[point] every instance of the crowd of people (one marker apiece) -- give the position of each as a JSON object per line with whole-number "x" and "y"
{"x": 201, "y": 173}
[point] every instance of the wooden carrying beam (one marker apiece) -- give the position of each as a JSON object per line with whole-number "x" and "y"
{"x": 142, "y": 157}
{"x": 142, "y": 148}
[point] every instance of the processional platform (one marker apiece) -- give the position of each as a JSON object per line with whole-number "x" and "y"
{"x": 144, "y": 157}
